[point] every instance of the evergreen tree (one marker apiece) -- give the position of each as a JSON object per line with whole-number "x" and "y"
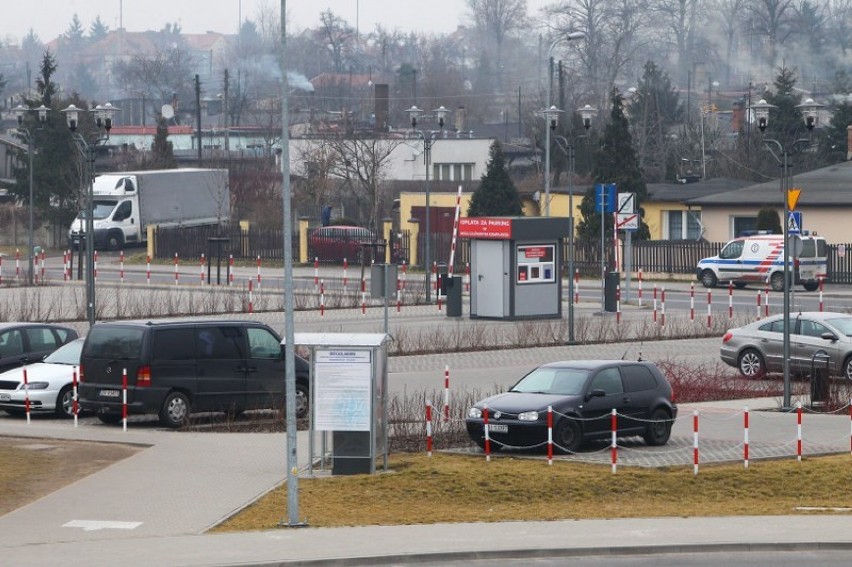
{"x": 496, "y": 194}
{"x": 614, "y": 162}
{"x": 46, "y": 87}
{"x": 98, "y": 30}
{"x": 785, "y": 122}
{"x": 769, "y": 219}
{"x": 833, "y": 139}
{"x": 162, "y": 151}
{"x": 654, "y": 108}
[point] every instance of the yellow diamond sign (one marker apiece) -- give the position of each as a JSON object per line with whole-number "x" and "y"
{"x": 793, "y": 198}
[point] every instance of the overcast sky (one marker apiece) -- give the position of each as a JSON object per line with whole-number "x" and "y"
{"x": 50, "y": 18}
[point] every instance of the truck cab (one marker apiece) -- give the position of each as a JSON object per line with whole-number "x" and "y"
{"x": 115, "y": 214}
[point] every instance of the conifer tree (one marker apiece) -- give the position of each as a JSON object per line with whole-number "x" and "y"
{"x": 497, "y": 194}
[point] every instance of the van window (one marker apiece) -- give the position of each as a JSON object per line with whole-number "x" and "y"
{"x": 733, "y": 249}
{"x": 219, "y": 342}
{"x": 263, "y": 344}
{"x": 114, "y": 343}
{"x": 174, "y": 344}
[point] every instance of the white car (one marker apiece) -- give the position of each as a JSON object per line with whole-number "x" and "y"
{"x": 50, "y": 383}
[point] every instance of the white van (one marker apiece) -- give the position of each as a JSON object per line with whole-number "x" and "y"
{"x": 759, "y": 258}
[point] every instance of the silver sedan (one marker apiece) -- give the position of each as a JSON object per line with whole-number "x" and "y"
{"x": 758, "y": 348}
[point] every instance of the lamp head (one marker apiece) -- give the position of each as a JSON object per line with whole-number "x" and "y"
{"x": 587, "y": 113}
{"x": 810, "y": 112}
{"x": 19, "y": 111}
{"x": 552, "y": 117}
{"x": 42, "y": 113}
{"x": 414, "y": 113}
{"x": 441, "y": 113}
{"x": 761, "y": 113}
{"x": 72, "y": 115}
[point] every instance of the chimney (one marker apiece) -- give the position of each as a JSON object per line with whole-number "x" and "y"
{"x": 460, "y": 118}
{"x": 381, "y": 106}
{"x": 849, "y": 142}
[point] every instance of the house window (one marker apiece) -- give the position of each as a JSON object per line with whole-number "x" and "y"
{"x": 742, "y": 224}
{"x": 452, "y": 171}
{"x": 683, "y": 225}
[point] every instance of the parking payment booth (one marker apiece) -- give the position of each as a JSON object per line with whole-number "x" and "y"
{"x": 515, "y": 266}
{"x": 348, "y": 397}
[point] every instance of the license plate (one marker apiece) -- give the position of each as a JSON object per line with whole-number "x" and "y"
{"x": 498, "y": 428}
{"x": 110, "y": 393}
{"x": 5, "y": 397}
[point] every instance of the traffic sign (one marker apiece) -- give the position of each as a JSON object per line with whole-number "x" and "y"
{"x": 794, "y": 222}
{"x": 626, "y": 203}
{"x": 793, "y": 198}
{"x": 627, "y": 221}
{"x": 605, "y": 197}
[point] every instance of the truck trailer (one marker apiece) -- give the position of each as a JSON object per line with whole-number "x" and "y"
{"x": 126, "y": 203}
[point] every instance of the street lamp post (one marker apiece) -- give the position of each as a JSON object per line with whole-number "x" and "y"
{"x": 428, "y": 139}
{"x": 761, "y": 113}
{"x": 552, "y": 117}
{"x": 103, "y": 120}
{"x": 573, "y": 36}
{"x": 20, "y": 111}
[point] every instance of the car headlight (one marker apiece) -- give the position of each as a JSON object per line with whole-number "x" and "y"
{"x": 35, "y": 386}
{"x": 475, "y": 413}
{"x": 528, "y": 416}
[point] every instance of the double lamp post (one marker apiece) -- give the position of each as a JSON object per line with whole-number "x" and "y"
{"x": 809, "y": 110}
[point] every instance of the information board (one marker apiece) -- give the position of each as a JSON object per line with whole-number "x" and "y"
{"x": 342, "y": 389}
{"x": 536, "y": 264}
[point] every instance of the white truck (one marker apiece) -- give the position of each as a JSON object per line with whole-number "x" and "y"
{"x": 126, "y": 203}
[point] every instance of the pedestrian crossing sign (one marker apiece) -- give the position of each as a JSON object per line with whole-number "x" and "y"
{"x": 794, "y": 222}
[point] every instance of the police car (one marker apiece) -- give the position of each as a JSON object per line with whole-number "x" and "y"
{"x": 759, "y": 258}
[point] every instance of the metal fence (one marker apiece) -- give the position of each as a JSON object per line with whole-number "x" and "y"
{"x": 653, "y": 256}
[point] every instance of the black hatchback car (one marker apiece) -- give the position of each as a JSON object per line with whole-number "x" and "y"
{"x": 176, "y": 368}
{"x": 25, "y": 343}
{"x": 582, "y": 394}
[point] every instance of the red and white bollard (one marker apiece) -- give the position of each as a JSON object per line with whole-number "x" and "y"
{"x": 758, "y": 305}
{"x": 1, "y": 269}
{"x": 201, "y": 264}
{"x": 695, "y": 442}
{"x": 549, "y": 435}
{"x": 404, "y": 273}
{"x": 745, "y": 437}
{"x": 618, "y": 304}
{"x": 148, "y": 269}
{"x": 730, "y": 300}
{"x": 176, "y": 268}
{"x": 258, "y": 272}
{"x": 663, "y": 306}
{"x": 709, "y": 308}
{"x": 250, "y": 298}
{"x": 75, "y": 408}
{"x": 692, "y": 302}
{"x": 428, "y": 428}
{"x": 485, "y": 429}
{"x": 614, "y": 442}
{"x": 94, "y": 268}
{"x": 230, "y": 269}
{"x": 446, "y": 393}
{"x": 799, "y": 432}
{"x": 654, "y": 312}
{"x": 121, "y": 266}
{"x": 316, "y": 271}
{"x": 821, "y": 281}
{"x": 434, "y": 278}
{"x": 398, "y": 294}
{"x": 65, "y": 266}
{"x": 322, "y": 298}
{"x": 43, "y": 263}
{"x": 850, "y": 426}
{"x": 26, "y": 396}
{"x": 363, "y": 295}
{"x": 345, "y": 279}
{"x": 467, "y": 276}
{"x": 766, "y": 301}
{"x": 17, "y": 264}
{"x": 640, "y": 287}
{"x": 124, "y": 399}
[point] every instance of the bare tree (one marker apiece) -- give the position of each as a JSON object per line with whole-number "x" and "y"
{"x": 337, "y": 37}
{"x": 496, "y": 19}
{"x": 160, "y": 75}
{"x": 772, "y": 19}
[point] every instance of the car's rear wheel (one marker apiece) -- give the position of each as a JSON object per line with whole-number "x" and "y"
{"x": 751, "y": 364}
{"x": 659, "y": 428}
{"x": 65, "y": 403}
{"x": 776, "y": 281}
{"x": 175, "y": 410}
{"x": 568, "y": 436}
{"x": 708, "y": 278}
{"x": 847, "y": 367}
{"x": 811, "y": 286}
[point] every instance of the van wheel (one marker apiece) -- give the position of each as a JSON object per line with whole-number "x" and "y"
{"x": 115, "y": 241}
{"x": 708, "y": 278}
{"x": 175, "y": 410}
{"x": 811, "y": 286}
{"x": 302, "y": 401}
{"x": 777, "y": 281}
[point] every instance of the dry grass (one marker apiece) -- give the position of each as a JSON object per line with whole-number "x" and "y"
{"x": 453, "y": 488}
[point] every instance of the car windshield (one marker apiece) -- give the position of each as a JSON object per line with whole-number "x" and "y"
{"x": 102, "y": 209}
{"x": 842, "y": 324}
{"x": 564, "y": 381}
{"x": 67, "y": 354}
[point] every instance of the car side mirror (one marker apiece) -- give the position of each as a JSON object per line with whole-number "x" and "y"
{"x": 828, "y": 336}
{"x": 596, "y": 393}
